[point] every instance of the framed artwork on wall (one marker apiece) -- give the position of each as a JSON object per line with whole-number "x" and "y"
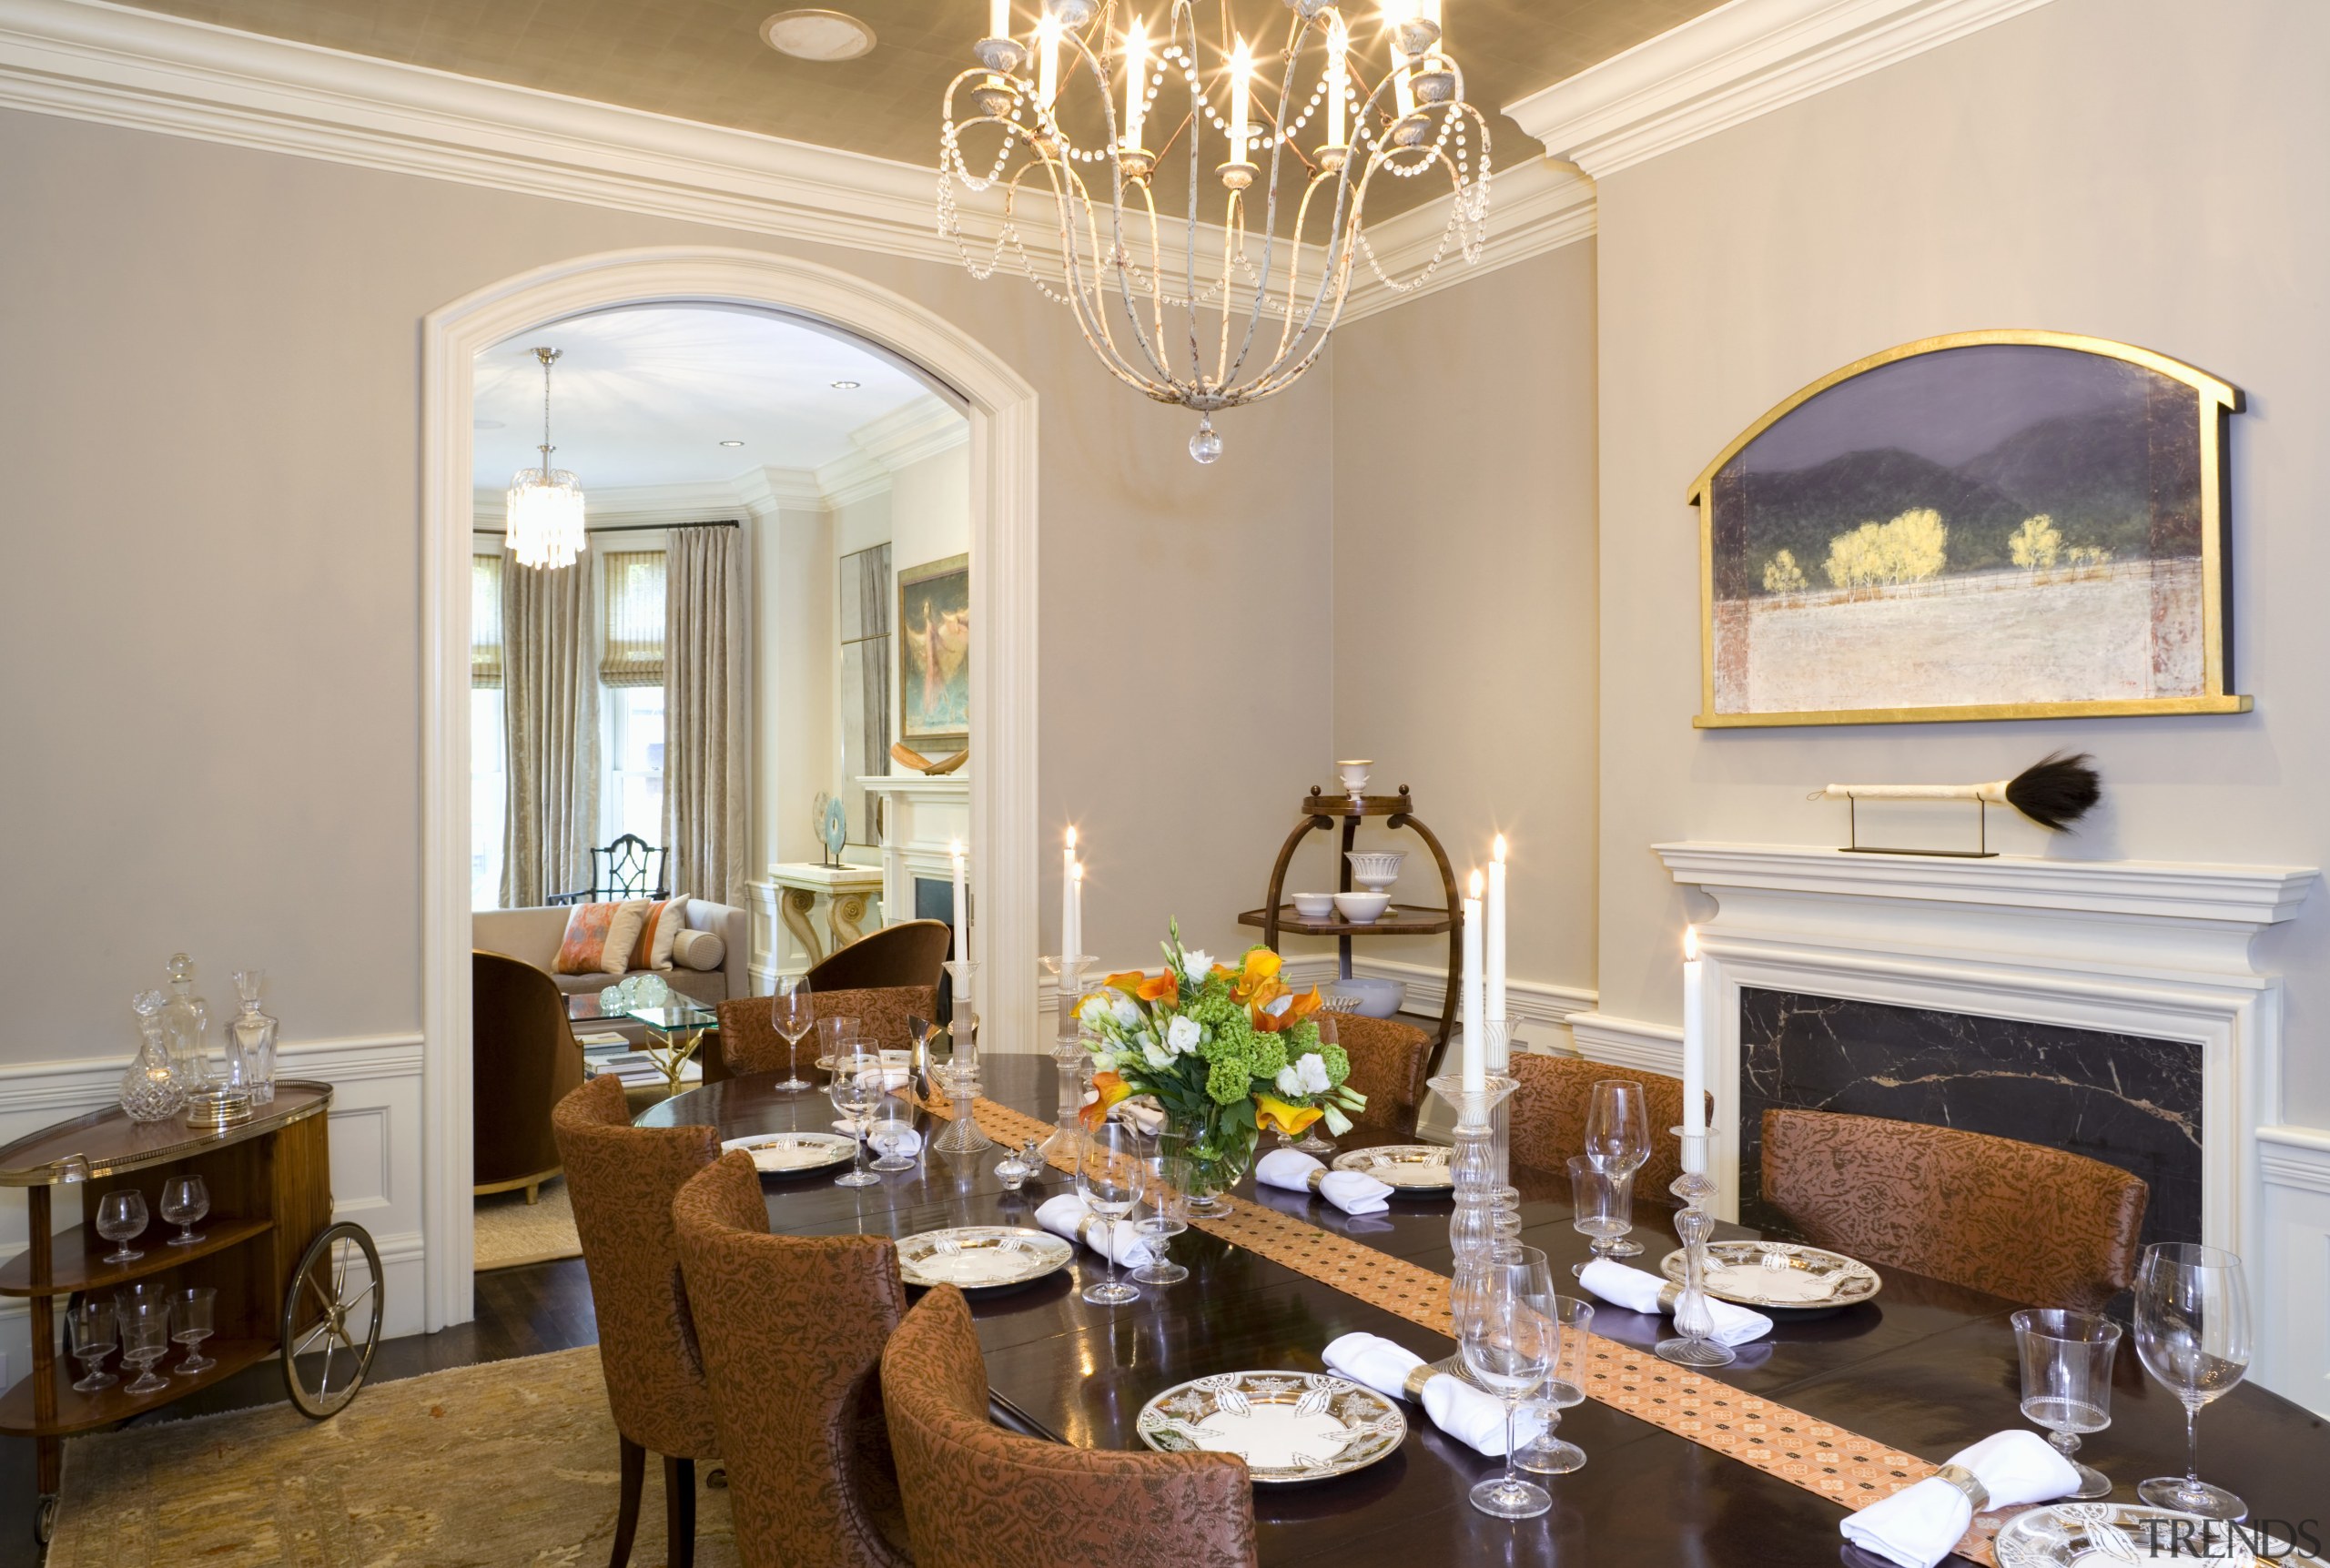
{"x": 1987, "y": 525}
{"x": 933, "y": 635}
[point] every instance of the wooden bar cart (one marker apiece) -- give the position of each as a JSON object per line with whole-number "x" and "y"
{"x": 289, "y": 1281}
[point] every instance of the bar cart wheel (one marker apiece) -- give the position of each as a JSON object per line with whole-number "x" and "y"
{"x": 331, "y": 1320}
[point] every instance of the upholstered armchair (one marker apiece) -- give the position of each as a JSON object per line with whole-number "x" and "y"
{"x": 1388, "y": 1061}
{"x": 523, "y": 1061}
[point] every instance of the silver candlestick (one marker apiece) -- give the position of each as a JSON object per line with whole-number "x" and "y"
{"x": 962, "y": 1134}
{"x": 1694, "y": 1344}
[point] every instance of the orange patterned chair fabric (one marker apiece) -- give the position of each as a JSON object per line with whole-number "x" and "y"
{"x": 749, "y": 1042}
{"x": 1388, "y": 1061}
{"x": 2036, "y": 1225}
{"x": 979, "y": 1497}
{"x": 1549, "y": 1117}
{"x": 791, "y": 1329}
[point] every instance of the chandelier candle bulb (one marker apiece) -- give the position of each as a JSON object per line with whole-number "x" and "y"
{"x": 1241, "y": 81}
{"x": 1475, "y": 1058}
{"x": 1695, "y": 1067}
{"x": 1338, "y": 77}
{"x": 998, "y": 18}
{"x": 1047, "y": 60}
{"x": 1136, "y": 82}
{"x": 1494, "y": 941}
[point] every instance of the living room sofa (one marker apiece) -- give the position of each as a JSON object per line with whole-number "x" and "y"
{"x": 532, "y": 936}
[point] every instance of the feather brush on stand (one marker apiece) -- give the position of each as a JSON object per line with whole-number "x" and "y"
{"x": 2054, "y": 794}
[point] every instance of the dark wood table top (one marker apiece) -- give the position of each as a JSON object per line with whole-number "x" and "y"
{"x": 1926, "y": 1367}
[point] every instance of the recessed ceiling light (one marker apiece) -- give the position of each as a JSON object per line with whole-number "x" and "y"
{"x": 845, "y": 386}
{"x": 820, "y": 35}
{"x": 732, "y": 443}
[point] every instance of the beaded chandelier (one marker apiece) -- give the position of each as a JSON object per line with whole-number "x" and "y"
{"x": 545, "y": 504}
{"x": 1219, "y": 307}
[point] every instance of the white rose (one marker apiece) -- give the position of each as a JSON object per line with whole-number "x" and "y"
{"x": 1122, "y": 1008}
{"x": 1290, "y": 1082}
{"x": 1310, "y": 1072}
{"x": 1158, "y": 1058}
{"x": 1196, "y": 964}
{"x": 1181, "y": 1035}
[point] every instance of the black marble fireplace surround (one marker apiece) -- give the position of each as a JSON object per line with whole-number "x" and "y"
{"x": 2126, "y": 1099}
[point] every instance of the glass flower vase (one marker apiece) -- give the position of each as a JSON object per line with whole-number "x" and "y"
{"x": 1222, "y": 1151}
{"x": 150, "y": 1090}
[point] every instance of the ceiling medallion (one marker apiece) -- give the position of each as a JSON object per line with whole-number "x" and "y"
{"x": 1219, "y": 305}
{"x": 545, "y": 504}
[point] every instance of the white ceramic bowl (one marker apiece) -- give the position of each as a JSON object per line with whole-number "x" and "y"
{"x": 1314, "y": 905}
{"x": 1370, "y": 998}
{"x": 1361, "y": 909}
{"x": 1375, "y": 870}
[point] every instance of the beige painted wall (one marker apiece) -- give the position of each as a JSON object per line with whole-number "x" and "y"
{"x": 1463, "y": 593}
{"x": 221, "y": 691}
{"x": 793, "y": 616}
{"x": 2143, "y": 170}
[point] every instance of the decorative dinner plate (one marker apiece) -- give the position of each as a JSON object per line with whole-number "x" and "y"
{"x": 1412, "y": 1166}
{"x": 1800, "y": 1279}
{"x": 2093, "y": 1534}
{"x": 981, "y": 1257}
{"x": 1286, "y": 1426}
{"x": 790, "y": 1153}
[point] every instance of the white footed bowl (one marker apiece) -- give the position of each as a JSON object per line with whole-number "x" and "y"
{"x": 1314, "y": 905}
{"x": 1370, "y": 998}
{"x": 1361, "y": 909}
{"x": 1375, "y": 869}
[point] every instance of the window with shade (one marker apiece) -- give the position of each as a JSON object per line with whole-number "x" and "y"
{"x": 631, "y": 681}
{"x": 489, "y": 773}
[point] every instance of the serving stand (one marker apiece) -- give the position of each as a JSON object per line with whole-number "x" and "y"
{"x": 1321, "y": 812}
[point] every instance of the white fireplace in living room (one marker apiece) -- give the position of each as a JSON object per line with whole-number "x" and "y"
{"x": 2155, "y": 953}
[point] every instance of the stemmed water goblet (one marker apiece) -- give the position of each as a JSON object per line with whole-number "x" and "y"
{"x": 95, "y": 1334}
{"x": 121, "y": 1219}
{"x": 184, "y": 1201}
{"x": 1601, "y": 1206}
{"x": 856, "y": 1090}
{"x": 891, "y": 1132}
{"x": 835, "y": 1036}
{"x": 2067, "y": 1381}
{"x": 1168, "y": 1199}
{"x": 2192, "y": 1336}
{"x": 1108, "y": 1177}
{"x": 1617, "y": 1140}
{"x": 144, "y": 1339}
{"x": 1509, "y": 1339}
{"x": 1565, "y": 1386}
{"x": 794, "y": 1014}
{"x": 196, "y": 1311}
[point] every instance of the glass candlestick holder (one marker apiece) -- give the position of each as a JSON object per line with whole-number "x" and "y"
{"x": 1693, "y": 1344}
{"x": 1477, "y": 1168}
{"x": 962, "y": 1134}
{"x": 1070, "y": 1060}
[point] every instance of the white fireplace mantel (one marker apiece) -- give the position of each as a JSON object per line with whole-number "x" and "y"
{"x": 2136, "y": 947}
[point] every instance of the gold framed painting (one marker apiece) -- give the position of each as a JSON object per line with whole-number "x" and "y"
{"x": 2001, "y": 524}
{"x": 934, "y": 634}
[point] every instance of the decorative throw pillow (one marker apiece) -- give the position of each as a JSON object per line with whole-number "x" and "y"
{"x": 600, "y": 937}
{"x": 664, "y": 922}
{"x": 700, "y": 950}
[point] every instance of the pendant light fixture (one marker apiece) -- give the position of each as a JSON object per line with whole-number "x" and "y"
{"x": 545, "y": 512}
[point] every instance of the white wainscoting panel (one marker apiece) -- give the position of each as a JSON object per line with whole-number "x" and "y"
{"x": 2291, "y": 1277}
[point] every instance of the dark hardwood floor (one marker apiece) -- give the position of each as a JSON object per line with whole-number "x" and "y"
{"x": 523, "y": 1312}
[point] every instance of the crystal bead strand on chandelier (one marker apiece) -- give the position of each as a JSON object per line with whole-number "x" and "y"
{"x": 1217, "y": 305}
{"x": 545, "y": 504}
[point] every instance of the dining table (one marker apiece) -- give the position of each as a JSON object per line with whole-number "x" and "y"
{"x": 1925, "y": 1367}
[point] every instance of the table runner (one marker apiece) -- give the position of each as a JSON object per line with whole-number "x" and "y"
{"x": 1840, "y": 1465}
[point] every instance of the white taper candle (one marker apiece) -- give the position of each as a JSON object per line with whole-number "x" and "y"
{"x": 1495, "y": 942}
{"x": 962, "y": 904}
{"x": 1694, "y": 1039}
{"x": 1476, "y": 1057}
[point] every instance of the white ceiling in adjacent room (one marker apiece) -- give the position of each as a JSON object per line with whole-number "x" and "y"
{"x": 646, "y": 396}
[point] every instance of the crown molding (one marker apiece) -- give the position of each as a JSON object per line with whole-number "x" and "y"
{"x": 880, "y": 448}
{"x": 1533, "y": 207}
{"x": 647, "y": 505}
{"x": 766, "y": 492}
{"x": 1734, "y": 63}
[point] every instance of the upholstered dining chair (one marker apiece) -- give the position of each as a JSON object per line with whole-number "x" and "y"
{"x": 2036, "y": 1225}
{"x": 911, "y": 953}
{"x": 622, "y": 1179}
{"x": 749, "y": 1042}
{"x": 1549, "y": 1117}
{"x": 979, "y": 1497}
{"x": 1388, "y": 1061}
{"x": 522, "y": 1060}
{"x": 791, "y": 1329}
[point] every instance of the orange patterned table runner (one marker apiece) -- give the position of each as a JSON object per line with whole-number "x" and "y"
{"x": 1842, "y": 1466}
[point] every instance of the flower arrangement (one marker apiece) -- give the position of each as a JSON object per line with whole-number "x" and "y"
{"x": 1225, "y": 1052}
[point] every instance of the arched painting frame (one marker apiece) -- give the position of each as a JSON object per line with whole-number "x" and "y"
{"x": 2005, "y": 525}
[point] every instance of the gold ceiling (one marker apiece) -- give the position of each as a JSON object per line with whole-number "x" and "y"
{"x": 703, "y": 59}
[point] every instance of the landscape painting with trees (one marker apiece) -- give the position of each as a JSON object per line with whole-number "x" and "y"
{"x": 1996, "y": 525}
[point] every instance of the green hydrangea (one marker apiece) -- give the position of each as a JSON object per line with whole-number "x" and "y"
{"x": 1338, "y": 1062}
{"x": 1267, "y": 1054}
{"x": 1227, "y": 1081}
{"x": 1301, "y": 1038}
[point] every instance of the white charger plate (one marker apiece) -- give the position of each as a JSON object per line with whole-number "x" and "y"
{"x": 794, "y": 1153}
{"x": 1813, "y": 1281}
{"x": 1286, "y": 1426}
{"x": 981, "y": 1257}
{"x": 1411, "y": 1166}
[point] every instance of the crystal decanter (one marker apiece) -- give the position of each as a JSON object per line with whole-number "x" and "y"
{"x": 149, "y": 1088}
{"x": 186, "y": 1026}
{"x": 250, "y": 1034}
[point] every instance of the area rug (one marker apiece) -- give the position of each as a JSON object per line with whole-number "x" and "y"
{"x": 505, "y": 1463}
{"x": 510, "y": 1230}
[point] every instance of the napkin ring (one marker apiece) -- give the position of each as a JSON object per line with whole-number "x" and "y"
{"x": 1667, "y": 1296}
{"x": 1315, "y": 1178}
{"x": 1413, "y": 1388}
{"x": 1963, "y": 1479}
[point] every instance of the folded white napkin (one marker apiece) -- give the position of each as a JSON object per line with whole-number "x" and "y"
{"x": 1472, "y": 1418}
{"x": 891, "y": 1140}
{"x": 1349, "y": 1190}
{"x": 1639, "y": 1293}
{"x": 1068, "y": 1215}
{"x": 1917, "y": 1525}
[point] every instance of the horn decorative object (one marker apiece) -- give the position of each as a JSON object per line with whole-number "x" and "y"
{"x": 2054, "y": 793}
{"x": 908, "y": 756}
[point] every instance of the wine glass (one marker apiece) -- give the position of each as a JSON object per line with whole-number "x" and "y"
{"x": 1168, "y": 1198}
{"x": 835, "y": 1037}
{"x": 195, "y": 1311}
{"x": 184, "y": 1201}
{"x": 144, "y": 1338}
{"x": 855, "y": 1090}
{"x": 1617, "y": 1140}
{"x": 1601, "y": 1205}
{"x": 1505, "y": 1325}
{"x": 2067, "y": 1381}
{"x": 1109, "y": 1179}
{"x": 2192, "y": 1336}
{"x": 121, "y": 1218}
{"x": 791, "y": 1010}
{"x": 1565, "y": 1386}
{"x": 891, "y": 1132}
{"x": 95, "y": 1334}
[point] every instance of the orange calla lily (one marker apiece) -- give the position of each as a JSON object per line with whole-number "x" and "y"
{"x": 1165, "y": 987}
{"x": 1128, "y": 981}
{"x": 1270, "y": 1111}
{"x": 1296, "y": 1011}
{"x": 1111, "y": 1087}
{"x": 1260, "y": 974}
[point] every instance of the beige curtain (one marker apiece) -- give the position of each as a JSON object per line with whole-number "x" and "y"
{"x": 549, "y": 662}
{"x": 705, "y": 735}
